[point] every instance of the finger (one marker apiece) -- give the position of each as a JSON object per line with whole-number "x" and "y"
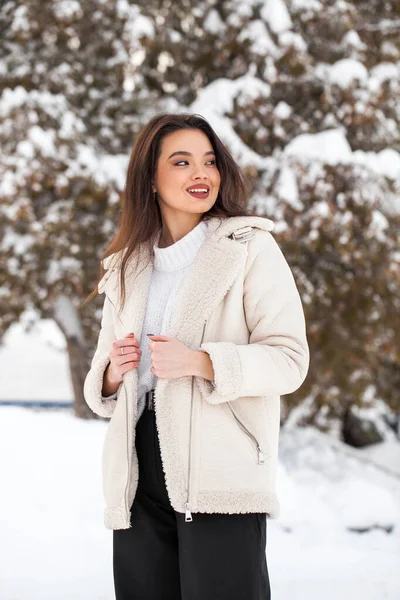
{"x": 126, "y": 343}
{"x": 128, "y": 366}
{"x": 122, "y": 360}
{"x": 119, "y": 352}
{"x": 130, "y": 341}
{"x": 159, "y": 338}
{"x": 127, "y": 340}
{"x": 131, "y": 336}
{"x": 123, "y": 353}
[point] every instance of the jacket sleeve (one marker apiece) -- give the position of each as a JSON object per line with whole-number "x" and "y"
{"x": 276, "y": 359}
{"x": 110, "y": 397}
{"x": 93, "y": 385}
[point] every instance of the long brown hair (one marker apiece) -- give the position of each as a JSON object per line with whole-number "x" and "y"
{"x": 140, "y": 215}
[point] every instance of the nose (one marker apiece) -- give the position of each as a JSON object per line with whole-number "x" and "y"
{"x": 199, "y": 174}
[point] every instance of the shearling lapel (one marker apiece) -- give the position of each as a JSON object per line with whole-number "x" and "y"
{"x": 211, "y": 275}
{"x": 137, "y": 281}
{"x": 209, "y": 278}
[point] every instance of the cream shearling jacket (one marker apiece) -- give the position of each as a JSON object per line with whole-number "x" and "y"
{"x": 219, "y": 442}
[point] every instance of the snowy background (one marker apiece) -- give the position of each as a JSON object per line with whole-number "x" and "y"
{"x": 338, "y": 535}
{"x": 306, "y": 95}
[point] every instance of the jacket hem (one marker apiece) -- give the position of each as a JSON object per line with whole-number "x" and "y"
{"x": 233, "y": 502}
{"x": 237, "y": 501}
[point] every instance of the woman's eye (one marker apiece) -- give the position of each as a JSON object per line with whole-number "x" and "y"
{"x": 185, "y": 161}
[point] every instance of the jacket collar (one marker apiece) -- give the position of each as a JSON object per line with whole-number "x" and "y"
{"x": 211, "y": 275}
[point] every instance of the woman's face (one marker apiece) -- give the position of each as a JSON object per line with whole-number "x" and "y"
{"x": 187, "y": 161}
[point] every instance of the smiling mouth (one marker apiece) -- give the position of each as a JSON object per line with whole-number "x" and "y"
{"x": 200, "y": 195}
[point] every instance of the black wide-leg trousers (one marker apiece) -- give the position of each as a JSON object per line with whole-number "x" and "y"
{"x": 161, "y": 557}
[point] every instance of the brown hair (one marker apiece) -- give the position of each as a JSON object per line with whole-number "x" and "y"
{"x": 140, "y": 216}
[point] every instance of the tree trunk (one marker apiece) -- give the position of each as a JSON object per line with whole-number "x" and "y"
{"x": 68, "y": 320}
{"x": 79, "y": 366}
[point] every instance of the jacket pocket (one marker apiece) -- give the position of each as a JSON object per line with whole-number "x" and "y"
{"x": 260, "y": 455}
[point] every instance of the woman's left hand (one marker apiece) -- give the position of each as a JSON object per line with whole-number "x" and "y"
{"x": 170, "y": 358}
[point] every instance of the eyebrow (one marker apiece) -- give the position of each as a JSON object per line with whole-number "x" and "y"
{"x": 188, "y": 153}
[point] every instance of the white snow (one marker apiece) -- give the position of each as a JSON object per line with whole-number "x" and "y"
{"x": 213, "y": 22}
{"x": 137, "y": 25}
{"x": 103, "y": 168}
{"x": 20, "y": 20}
{"x": 386, "y": 71}
{"x": 351, "y": 38}
{"x": 289, "y": 38}
{"x": 283, "y": 110}
{"x": 261, "y": 41}
{"x": 43, "y": 140}
{"x": 386, "y": 162}
{"x": 314, "y": 5}
{"x": 40, "y": 355}
{"x": 287, "y": 189}
{"x": 328, "y": 146}
{"x": 51, "y": 523}
{"x": 378, "y": 225}
{"x": 58, "y": 547}
{"x": 67, "y": 10}
{"x": 18, "y": 242}
{"x": 276, "y": 14}
{"x": 345, "y": 71}
{"x": 52, "y": 505}
{"x": 331, "y": 147}
{"x": 215, "y": 100}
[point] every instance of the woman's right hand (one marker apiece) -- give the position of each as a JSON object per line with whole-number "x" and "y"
{"x": 121, "y": 363}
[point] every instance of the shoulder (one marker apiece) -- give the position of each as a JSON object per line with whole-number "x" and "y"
{"x": 261, "y": 241}
{"x": 264, "y": 255}
{"x": 253, "y": 222}
{"x": 113, "y": 260}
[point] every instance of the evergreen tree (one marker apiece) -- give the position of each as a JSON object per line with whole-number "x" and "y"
{"x": 67, "y": 122}
{"x": 306, "y": 95}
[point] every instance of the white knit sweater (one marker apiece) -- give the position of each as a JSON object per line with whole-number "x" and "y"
{"x": 170, "y": 267}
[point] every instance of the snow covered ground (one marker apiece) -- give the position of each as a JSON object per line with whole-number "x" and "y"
{"x": 40, "y": 355}
{"x": 53, "y": 541}
{"x": 54, "y": 544}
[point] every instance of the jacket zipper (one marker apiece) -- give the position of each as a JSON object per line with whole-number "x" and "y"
{"x": 188, "y": 514}
{"x": 260, "y": 453}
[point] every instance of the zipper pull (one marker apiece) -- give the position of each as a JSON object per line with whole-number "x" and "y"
{"x": 261, "y": 457}
{"x": 188, "y": 514}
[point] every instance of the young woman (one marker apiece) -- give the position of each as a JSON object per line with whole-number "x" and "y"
{"x": 202, "y": 331}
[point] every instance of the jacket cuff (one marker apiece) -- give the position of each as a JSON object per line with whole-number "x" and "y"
{"x": 93, "y": 386}
{"x": 110, "y": 397}
{"x": 227, "y": 373}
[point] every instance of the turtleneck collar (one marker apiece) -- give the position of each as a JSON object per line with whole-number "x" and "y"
{"x": 181, "y": 253}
